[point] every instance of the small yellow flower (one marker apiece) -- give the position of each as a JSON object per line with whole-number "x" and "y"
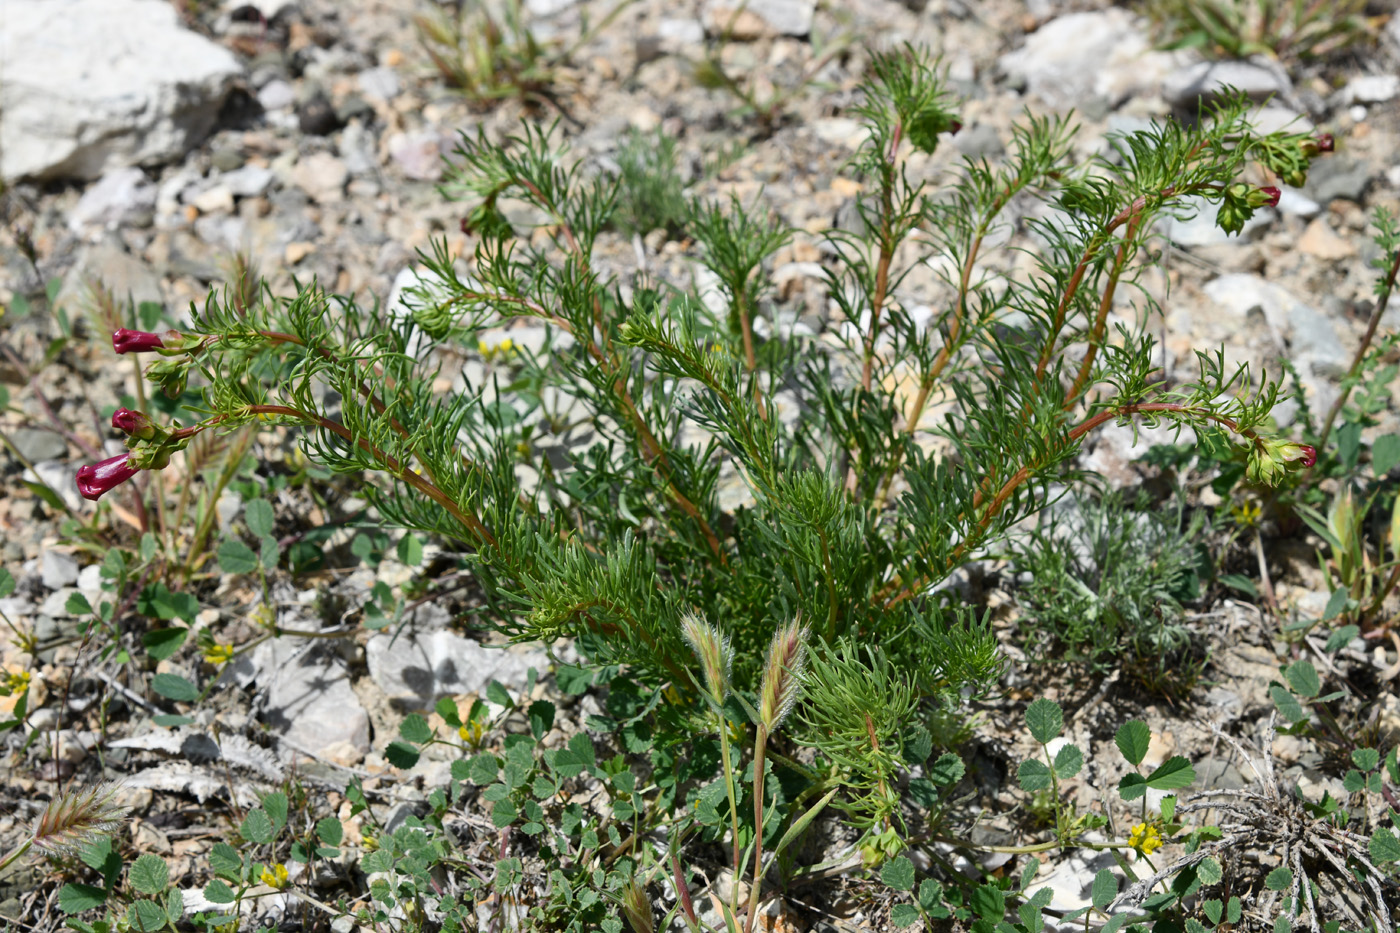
{"x": 471, "y": 732}
{"x": 274, "y": 876}
{"x": 218, "y": 655}
{"x": 1144, "y": 838}
{"x": 14, "y": 682}
{"x": 1247, "y": 514}
{"x": 506, "y": 345}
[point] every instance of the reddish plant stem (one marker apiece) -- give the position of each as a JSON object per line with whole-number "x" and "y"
{"x": 1008, "y": 488}
{"x": 1086, "y": 368}
{"x": 756, "y": 884}
{"x": 391, "y": 465}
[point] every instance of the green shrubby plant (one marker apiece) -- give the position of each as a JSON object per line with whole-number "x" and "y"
{"x": 1278, "y": 28}
{"x": 692, "y": 603}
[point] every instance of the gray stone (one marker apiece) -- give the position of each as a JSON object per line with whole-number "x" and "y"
{"x": 248, "y": 181}
{"x": 356, "y": 148}
{"x": 277, "y": 95}
{"x": 226, "y": 158}
{"x": 87, "y": 86}
{"x": 1292, "y": 202}
{"x": 308, "y": 699}
{"x": 124, "y": 197}
{"x": 1205, "y": 81}
{"x": 1075, "y": 56}
{"x": 379, "y": 83}
{"x": 759, "y": 19}
{"x": 1338, "y": 177}
{"x": 416, "y": 669}
{"x": 57, "y": 569}
{"x": 979, "y": 142}
{"x": 108, "y": 262}
{"x": 1371, "y": 89}
{"x": 36, "y": 444}
{"x": 548, "y": 7}
{"x": 322, "y": 176}
{"x": 418, "y": 154}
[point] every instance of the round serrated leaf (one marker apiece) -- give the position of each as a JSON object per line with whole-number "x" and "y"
{"x": 1033, "y": 775}
{"x": 1302, "y": 677}
{"x": 1288, "y": 706}
{"x": 236, "y": 557}
{"x": 148, "y": 875}
{"x": 1173, "y": 774}
{"x": 415, "y": 729}
{"x": 948, "y": 769}
{"x": 217, "y": 892}
{"x": 1367, "y": 759}
{"x": 1068, "y": 760}
{"x": 1104, "y": 890}
{"x": 898, "y": 873}
{"x": 1384, "y": 847}
{"x": 257, "y": 827}
{"x": 1209, "y": 871}
{"x": 1280, "y": 879}
{"x": 1045, "y": 719}
{"x": 1132, "y": 740}
{"x": 146, "y": 916}
{"x": 76, "y": 898}
{"x": 904, "y": 915}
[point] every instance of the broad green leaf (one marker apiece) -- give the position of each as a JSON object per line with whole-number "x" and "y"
{"x": 1385, "y": 454}
{"x": 898, "y": 873}
{"x": 1173, "y": 774}
{"x": 1341, "y": 638}
{"x": 225, "y": 861}
{"x": 217, "y": 892}
{"x": 541, "y": 718}
{"x": 76, "y": 898}
{"x": 1068, "y": 760}
{"x": 1367, "y": 759}
{"x": 275, "y": 803}
{"x": 415, "y": 729}
{"x": 1209, "y": 871}
{"x": 1033, "y": 775}
{"x": 1302, "y": 677}
{"x": 259, "y": 517}
{"x": 904, "y": 915}
{"x": 401, "y": 755}
{"x": 148, "y": 875}
{"x": 257, "y": 828}
{"x": 161, "y": 643}
{"x": 1045, "y": 719}
{"x": 1280, "y": 879}
{"x": 1384, "y": 846}
{"x": 988, "y": 901}
{"x": 235, "y": 557}
{"x": 410, "y": 550}
{"x": 174, "y": 687}
{"x": 1104, "y": 890}
{"x": 1336, "y": 603}
{"x": 146, "y": 916}
{"x": 1132, "y": 740}
{"x": 948, "y": 769}
{"x": 78, "y": 605}
{"x": 1288, "y": 706}
{"x": 7, "y": 582}
{"x": 497, "y": 693}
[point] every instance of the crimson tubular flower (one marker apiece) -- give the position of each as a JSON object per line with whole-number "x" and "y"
{"x": 97, "y": 478}
{"x": 135, "y": 341}
{"x": 1273, "y": 193}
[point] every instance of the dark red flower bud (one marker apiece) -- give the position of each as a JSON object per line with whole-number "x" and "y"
{"x": 135, "y": 341}
{"x": 131, "y": 422}
{"x": 1273, "y": 193}
{"x": 1309, "y": 455}
{"x": 97, "y": 478}
{"x": 953, "y": 127}
{"x": 1325, "y": 143}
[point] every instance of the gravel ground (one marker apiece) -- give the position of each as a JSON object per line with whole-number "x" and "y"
{"x": 320, "y": 151}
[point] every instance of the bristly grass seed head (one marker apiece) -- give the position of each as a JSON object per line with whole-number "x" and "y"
{"x": 715, "y": 654}
{"x": 782, "y": 675}
{"x": 77, "y": 819}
